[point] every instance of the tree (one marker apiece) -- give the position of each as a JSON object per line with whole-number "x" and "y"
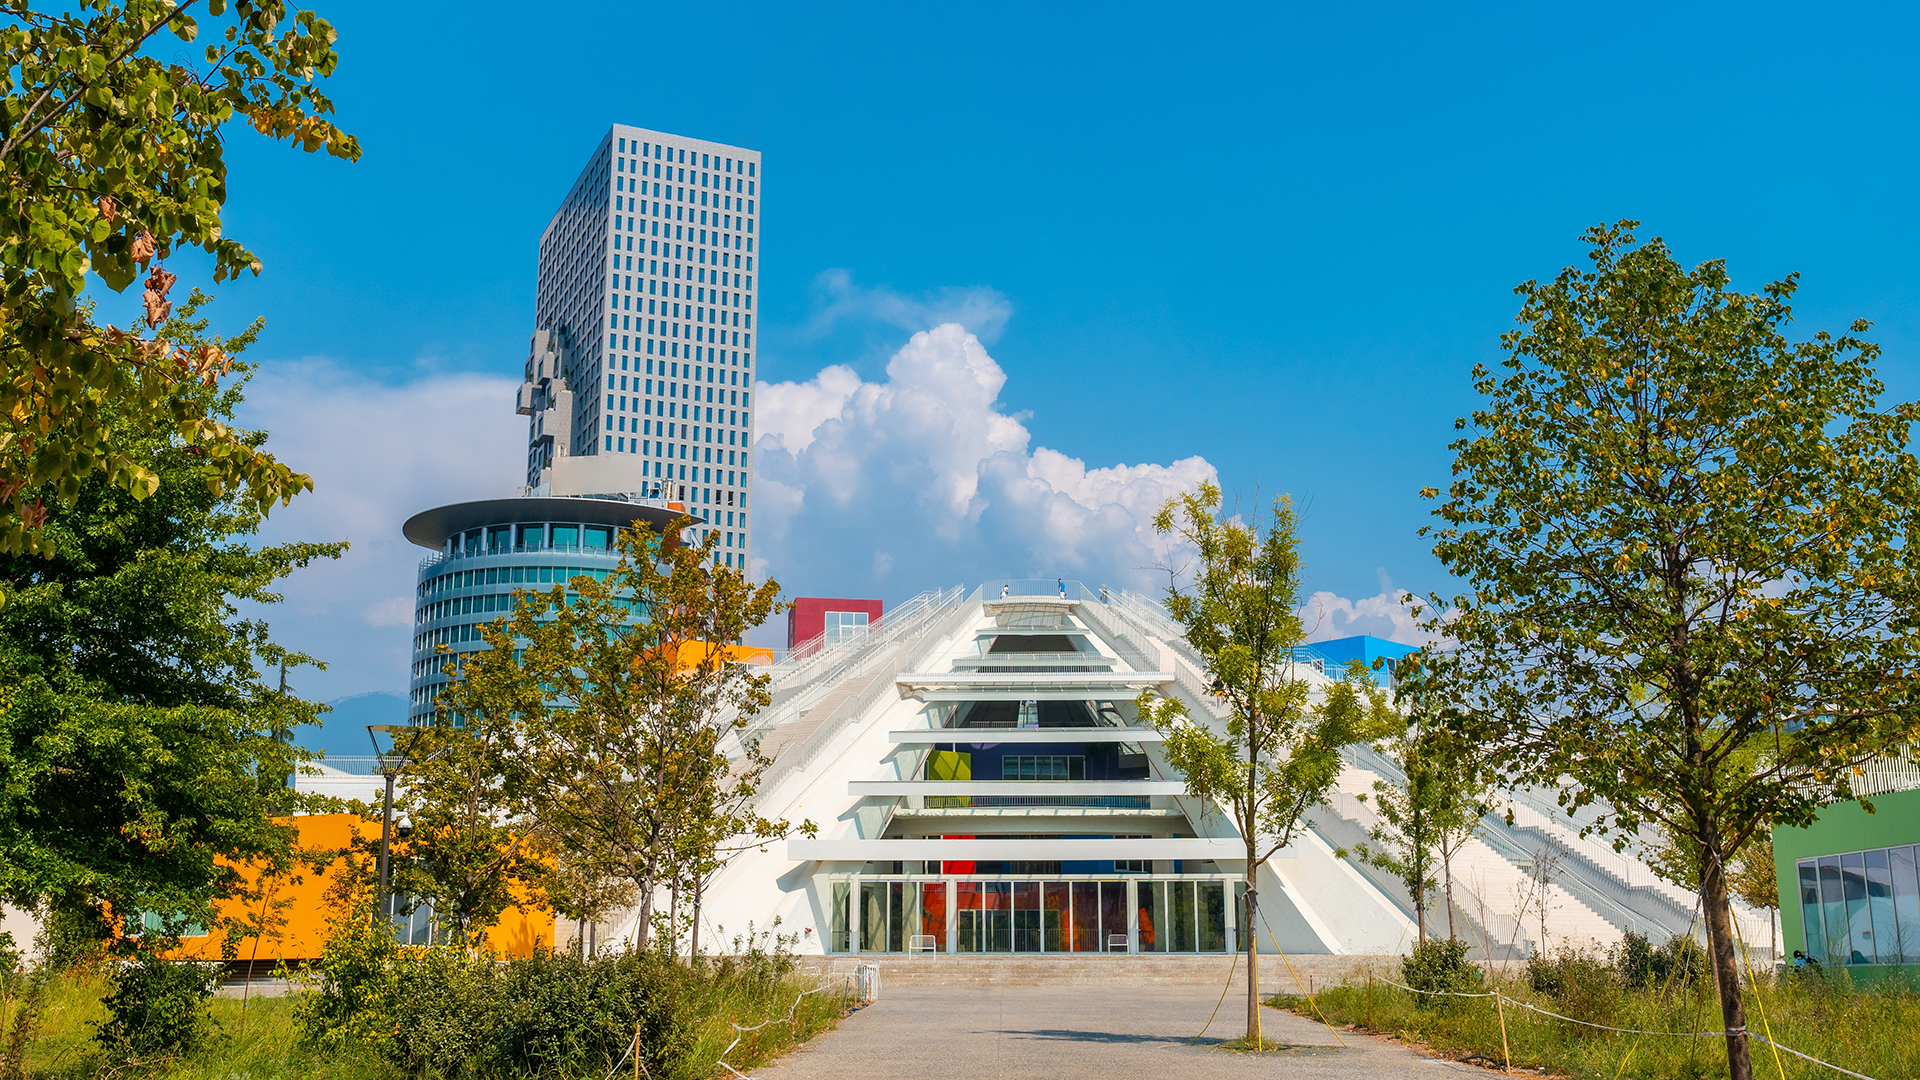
{"x": 110, "y": 159}
{"x": 1440, "y": 805}
{"x": 1279, "y": 753}
{"x": 473, "y": 849}
{"x": 1686, "y": 545}
{"x": 142, "y": 752}
{"x": 623, "y": 689}
{"x": 1753, "y": 882}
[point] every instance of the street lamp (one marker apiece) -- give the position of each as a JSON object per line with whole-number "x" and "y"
{"x": 389, "y": 765}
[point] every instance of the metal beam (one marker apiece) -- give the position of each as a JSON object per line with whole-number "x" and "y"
{"x": 1065, "y": 788}
{"x": 1107, "y": 680}
{"x": 976, "y": 736}
{"x": 1064, "y": 849}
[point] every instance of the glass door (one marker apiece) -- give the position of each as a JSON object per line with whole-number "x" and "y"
{"x": 1026, "y": 916}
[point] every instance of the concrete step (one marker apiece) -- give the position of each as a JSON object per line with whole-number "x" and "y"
{"x": 1276, "y": 976}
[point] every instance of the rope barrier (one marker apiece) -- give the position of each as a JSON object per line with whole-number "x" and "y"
{"x": 740, "y": 1032}
{"x": 1232, "y": 965}
{"x": 1809, "y": 1057}
{"x": 1627, "y": 1031}
{"x": 1294, "y": 974}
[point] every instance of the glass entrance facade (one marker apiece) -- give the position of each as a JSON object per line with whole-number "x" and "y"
{"x": 1176, "y": 915}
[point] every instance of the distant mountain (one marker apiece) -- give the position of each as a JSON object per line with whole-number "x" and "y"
{"x": 343, "y": 732}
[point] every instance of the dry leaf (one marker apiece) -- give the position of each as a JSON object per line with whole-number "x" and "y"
{"x": 155, "y": 297}
{"x": 143, "y": 247}
{"x": 109, "y": 209}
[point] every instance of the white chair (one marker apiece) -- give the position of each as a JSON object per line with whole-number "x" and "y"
{"x": 922, "y": 943}
{"x": 1116, "y": 943}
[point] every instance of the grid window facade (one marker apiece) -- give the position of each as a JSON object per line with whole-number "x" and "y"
{"x": 647, "y": 284}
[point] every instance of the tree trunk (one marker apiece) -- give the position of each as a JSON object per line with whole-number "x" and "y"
{"x": 643, "y": 932}
{"x": 1253, "y": 954}
{"x": 673, "y": 921}
{"x": 693, "y": 951}
{"x": 1446, "y": 874}
{"x": 1720, "y": 945}
{"x": 1420, "y": 916}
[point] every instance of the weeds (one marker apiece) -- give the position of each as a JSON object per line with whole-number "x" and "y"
{"x": 1868, "y": 1030}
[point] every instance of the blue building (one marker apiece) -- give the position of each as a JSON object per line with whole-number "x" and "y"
{"x": 484, "y": 550}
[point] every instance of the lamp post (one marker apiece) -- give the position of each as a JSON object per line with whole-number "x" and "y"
{"x": 388, "y": 765}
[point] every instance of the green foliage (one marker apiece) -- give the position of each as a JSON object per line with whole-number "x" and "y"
{"x": 113, "y": 157}
{"x": 141, "y": 737}
{"x": 447, "y": 1012}
{"x": 1753, "y": 880}
{"x": 1686, "y": 544}
{"x": 157, "y": 1006}
{"x": 1440, "y": 967}
{"x": 1424, "y": 821}
{"x": 254, "y": 1040}
{"x": 1582, "y": 984}
{"x": 354, "y": 993}
{"x": 1867, "y": 1031}
{"x": 546, "y": 1015}
{"x": 469, "y": 854}
{"x": 606, "y": 729}
{"x": 76, "y": 936}
{"x": 1278, "y": 752}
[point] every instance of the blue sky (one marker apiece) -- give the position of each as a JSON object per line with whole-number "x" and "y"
{"x": 1276, "y": 241}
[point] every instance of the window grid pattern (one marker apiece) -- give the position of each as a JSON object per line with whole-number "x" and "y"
{"x": 1861, "y": 907}
{"x": 656, "y": 247}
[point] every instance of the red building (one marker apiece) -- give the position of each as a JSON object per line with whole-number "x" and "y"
{"x": 815, "y": 619}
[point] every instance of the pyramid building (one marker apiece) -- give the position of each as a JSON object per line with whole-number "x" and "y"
{"x": 981, "y": 782}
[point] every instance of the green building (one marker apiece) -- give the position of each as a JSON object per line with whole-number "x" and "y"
{"x": 1850, "y": 884}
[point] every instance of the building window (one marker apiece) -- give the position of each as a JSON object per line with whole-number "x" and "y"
{"x": 1043, "y": 767}
{"x": 842, "y": 626}
{"x": 1862, "y": 907}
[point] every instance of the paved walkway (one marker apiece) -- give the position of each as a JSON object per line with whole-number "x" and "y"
{"x": 1063, "y": 1031}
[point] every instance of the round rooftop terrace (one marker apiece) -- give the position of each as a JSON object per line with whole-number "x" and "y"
{"x": 531, "y": 522}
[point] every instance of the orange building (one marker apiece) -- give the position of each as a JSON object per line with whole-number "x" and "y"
{"x": 304, "y": 904}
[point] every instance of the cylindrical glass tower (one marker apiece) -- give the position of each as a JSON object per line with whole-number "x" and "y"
{"x": 485, "y": 550}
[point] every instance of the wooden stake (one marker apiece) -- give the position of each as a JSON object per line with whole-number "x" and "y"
{"x": 1500, "y": 1006}
{"x": 636, "y": 1052}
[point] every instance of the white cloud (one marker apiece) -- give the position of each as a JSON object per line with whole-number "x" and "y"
{"x": 1386, "y": 614}
{"x": 378, "y": 454}
{"x": 837, "y": 297}
{"x": 923, "y": 481}
{"x": 393, "y": 611}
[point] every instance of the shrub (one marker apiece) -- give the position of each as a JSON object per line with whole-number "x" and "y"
{"x": 1440, "y": 967}
{"x": 545, "y": 1015}
{"x": 156, "y": 1006}
{"x": 355, "y": 985}
{"x": 1633, "y": 959}
{"x": 1681, "y": 960}
{"x": 1585, "y": 986}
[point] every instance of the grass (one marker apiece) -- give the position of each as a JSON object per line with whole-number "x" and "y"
{"x": 259, "y": 1042}
{"x": 1868, "y": 1030}
{"x": 262, "y": 1042}
{"x": 781, "y": 1017}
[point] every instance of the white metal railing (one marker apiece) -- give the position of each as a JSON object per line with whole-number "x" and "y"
{"x": 910, "y": 649}
{"x": 1888, "y": 773}
{"x": 804, "y": 682}
{"x": 816, "y": 658}
{"x": 1108, "y": 622}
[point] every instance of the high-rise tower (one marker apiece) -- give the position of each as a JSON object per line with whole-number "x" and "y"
{"x": 640, "y": 375}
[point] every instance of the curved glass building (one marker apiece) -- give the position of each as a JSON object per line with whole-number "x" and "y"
{"x": 484, "y": 550}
